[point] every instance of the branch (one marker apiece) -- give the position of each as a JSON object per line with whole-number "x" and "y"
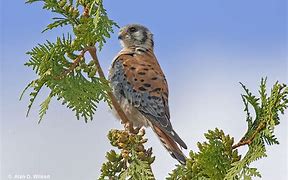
{"x": 86, "y": 11}
{"x": 248, "y": 141}
{"x": 132, "y": 162}
{"x": 92, "y": 50}
{"x": 117, "y": 107}
{"x": 74, "y": 65}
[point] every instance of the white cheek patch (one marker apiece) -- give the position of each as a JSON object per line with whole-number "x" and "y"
{"x": 122, "y": 43}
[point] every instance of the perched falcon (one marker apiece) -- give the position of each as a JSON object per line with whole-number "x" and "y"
{"x": 141, "y": 89}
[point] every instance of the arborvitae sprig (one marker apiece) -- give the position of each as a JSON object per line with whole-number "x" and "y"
{"x": 132, "y": 162}
{"x": 68, "y": 12}
{"x": 213, "y": 160}
{"x": 75, "y": 90}
{"x": 61, "y": 68}
{"x": 260, "y": 130}
{"x": 218, "y": 158}
{"x": 80, "y": 84}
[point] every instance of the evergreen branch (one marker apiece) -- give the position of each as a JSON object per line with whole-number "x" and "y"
{"x": 44, "y": 107}
{"x": 132, "y": 162}
{"x": 86, "y": 10}
{"x": 248, "y": 141}
{"x": 75, "y": 83}
{"x": 213, "y": 160}
{"x": 60, "y": 22}
{"x": 68, "y": 11}
{"x": 92, "y": 50}
{"x": 265, "y": 120}
{"x": 66, "y": 74}
{"x": 37, "y": 86}
{"x": 25, "y": 89}
{"x": 261, "y": 130}
{"x": 74, "y": 65}
{"x": 117, "y": 107}
{"x": 241, "y": 170}
{"x": 218, "y": 158}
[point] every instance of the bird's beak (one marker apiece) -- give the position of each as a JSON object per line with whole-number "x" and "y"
{"x": 120, "y": 37}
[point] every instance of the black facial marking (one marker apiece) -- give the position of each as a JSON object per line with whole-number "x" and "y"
{"x": 152, "y": 42}
{"x": 154, "y": 78}
{"x": 144, "y": 37}
{"x": 142, "y": 80}
{"x": 145, "y": 69}
{"x": 132, "y": 68}
{"x": 135, "y": 79}
{"x": 141, "y": 73}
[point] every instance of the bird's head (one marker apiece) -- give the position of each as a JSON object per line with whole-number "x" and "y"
{"x": 135, "y": 35}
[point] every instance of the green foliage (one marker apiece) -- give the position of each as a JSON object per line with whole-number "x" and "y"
{"x": 260, "y": 130}
{"x": 44, "y": 106}
{"x": 132, "y": 162}
{"x": 61, "y": 68}
{"x": 68, "y": 12}
{"x": 213, "y": 160}
{"x": 218, "y": 158}
{"x": 95, "y": 27}
{"x": 241, "y": 169}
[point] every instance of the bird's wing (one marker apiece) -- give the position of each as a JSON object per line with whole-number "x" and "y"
{"x": 139, "y": 78}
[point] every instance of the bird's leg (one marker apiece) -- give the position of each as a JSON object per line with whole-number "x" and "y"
{"x": 140, "y": 130}
{"x": 132, "y": 130}
{"x": 129, "y": 127}
{"x": 137, "y": 129}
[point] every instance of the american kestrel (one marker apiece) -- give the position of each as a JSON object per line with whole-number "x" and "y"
{"x": 141, "y": 89}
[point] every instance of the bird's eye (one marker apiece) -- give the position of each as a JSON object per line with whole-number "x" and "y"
{"x": 132, "y": 29}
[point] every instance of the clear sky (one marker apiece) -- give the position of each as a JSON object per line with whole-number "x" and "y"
{"x": 204, "y": 47}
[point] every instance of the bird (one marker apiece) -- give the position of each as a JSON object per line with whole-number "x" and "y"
{"x": 140, "y": 87}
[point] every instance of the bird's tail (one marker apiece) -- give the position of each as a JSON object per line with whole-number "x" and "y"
{"x": 170, "y": 145}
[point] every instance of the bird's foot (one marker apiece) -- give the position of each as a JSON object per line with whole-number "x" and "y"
{"x": 129, "y": 127}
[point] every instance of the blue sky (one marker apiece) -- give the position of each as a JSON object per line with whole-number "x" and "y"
{"x": 204, "y": 47}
